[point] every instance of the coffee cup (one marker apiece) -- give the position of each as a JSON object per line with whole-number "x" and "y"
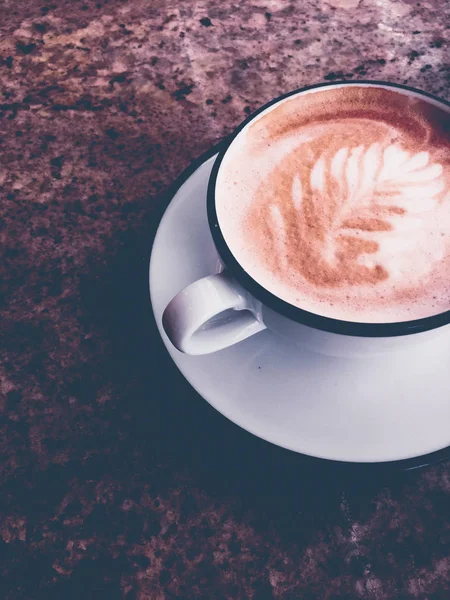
{"x": 330, "y": 210}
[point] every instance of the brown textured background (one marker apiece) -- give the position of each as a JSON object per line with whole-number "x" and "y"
{"x": 117, "y": 481}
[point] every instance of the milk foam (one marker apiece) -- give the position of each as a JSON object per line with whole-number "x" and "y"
{"x": 343, "y": 209}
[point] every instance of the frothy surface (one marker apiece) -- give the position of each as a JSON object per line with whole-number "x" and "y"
{"x": 338, "y": 201}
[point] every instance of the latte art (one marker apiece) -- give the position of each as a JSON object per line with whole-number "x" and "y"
{"x": 351, "y": 213}
{"x": 347, "y": 211}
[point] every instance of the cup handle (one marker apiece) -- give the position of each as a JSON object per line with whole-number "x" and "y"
{"x": 210, "y": 314}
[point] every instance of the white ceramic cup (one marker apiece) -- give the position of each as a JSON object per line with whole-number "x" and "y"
{"x": 226, "y": 308}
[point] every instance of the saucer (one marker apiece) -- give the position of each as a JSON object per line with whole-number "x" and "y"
{"x": 394, "y": 408}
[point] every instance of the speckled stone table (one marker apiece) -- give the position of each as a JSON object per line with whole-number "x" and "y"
{"x": 117, "y": 481}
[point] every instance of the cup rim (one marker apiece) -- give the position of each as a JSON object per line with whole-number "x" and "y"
{"x": 277, "y": 304}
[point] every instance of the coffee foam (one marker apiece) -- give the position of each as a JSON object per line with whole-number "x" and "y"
{"x": 338, "y": 201}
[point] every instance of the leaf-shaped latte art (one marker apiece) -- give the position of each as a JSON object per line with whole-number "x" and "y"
{"x": 350, "y": 204}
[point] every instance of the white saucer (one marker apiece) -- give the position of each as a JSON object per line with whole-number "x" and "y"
{"x": 388, "y": 408}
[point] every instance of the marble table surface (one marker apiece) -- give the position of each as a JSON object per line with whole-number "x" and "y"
{"x": 117, "y": 481}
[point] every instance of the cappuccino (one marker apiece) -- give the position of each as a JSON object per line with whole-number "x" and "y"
{"x": 337, "y": 200}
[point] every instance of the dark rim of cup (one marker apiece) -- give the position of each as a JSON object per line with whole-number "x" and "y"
{"x": 275, "y": 303}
